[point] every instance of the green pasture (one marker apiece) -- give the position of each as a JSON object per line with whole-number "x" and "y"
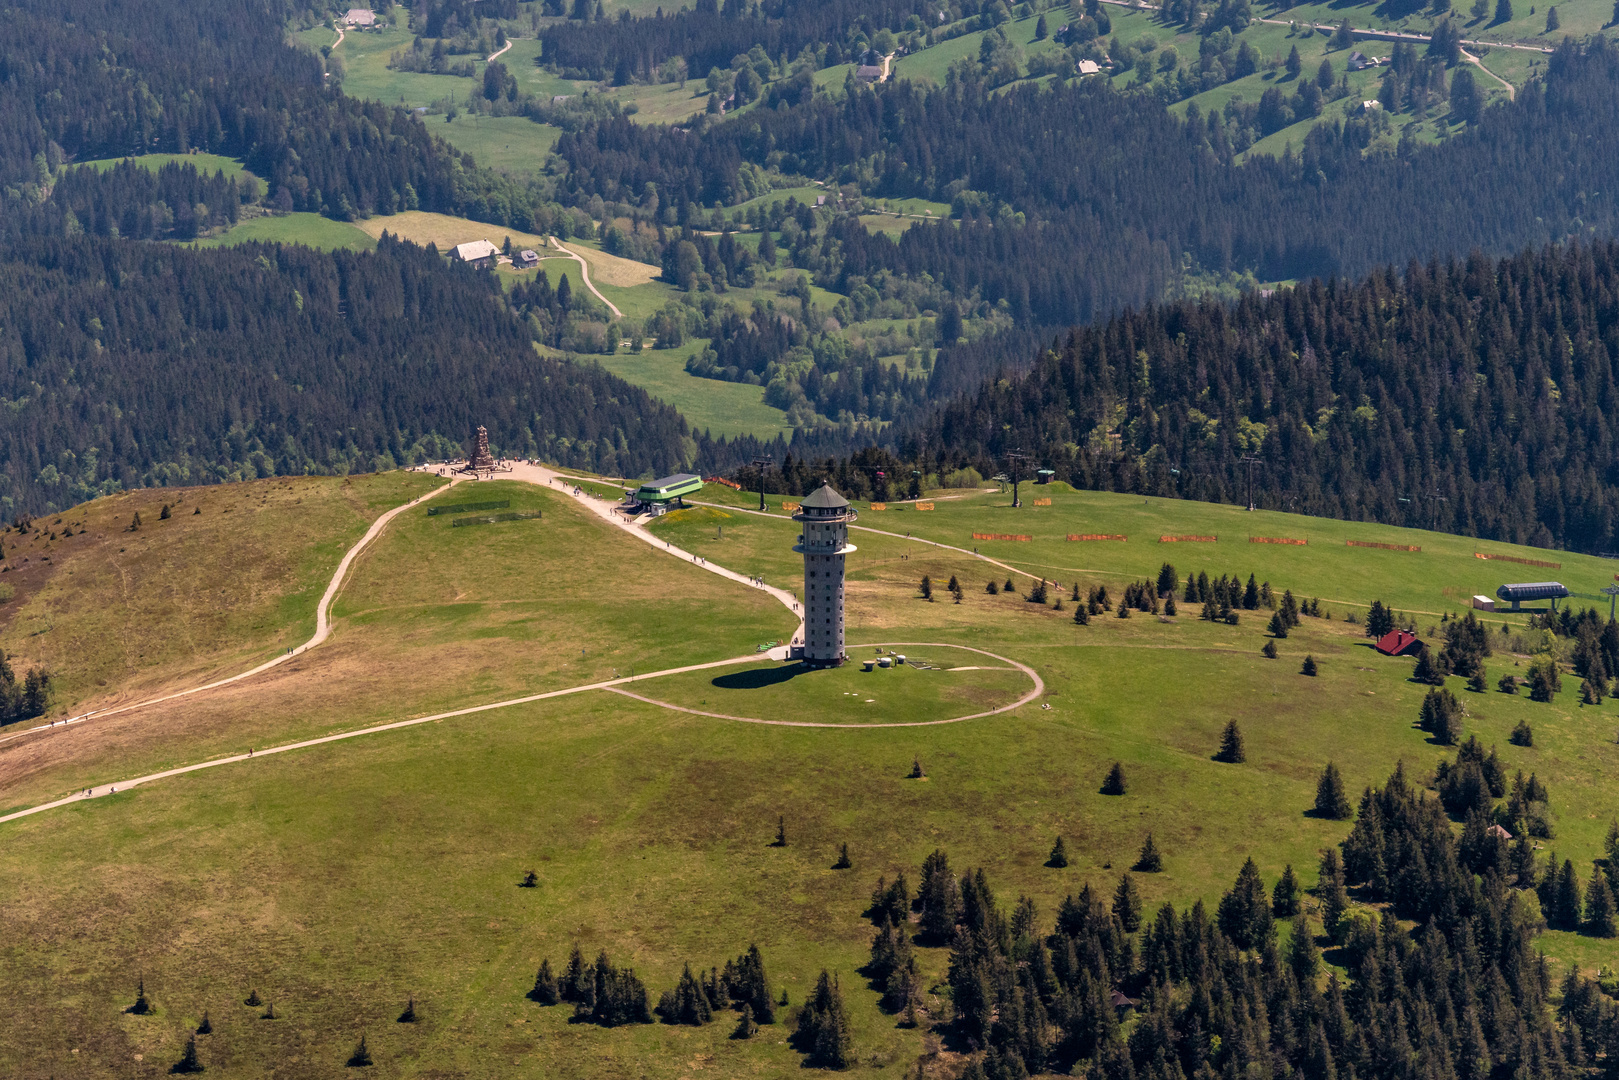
{"x": 720, "y": 408}
{"x": 1442, "y": 577}
{"x": 1576, "y": 17}
{"x": 206, "y": 164}
{"x": 850, "y": 695}
{"x": 310, "y": 230}
{"x": 513, "y": 144}
{"x": 341, "y": 880}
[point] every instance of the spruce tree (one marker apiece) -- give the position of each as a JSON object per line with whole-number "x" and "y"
{"x": 141, "y": 1006}
{"x": 576, "y": 978}
{"x": 1009, "y": 587}
{"x": 361, "y": 1056}
{"x": 1082, "y": 615}
{"x": 1294, "y": 63}
{"x": 189, "y": 1062}
{"x": 269, "y": 1012}
{"x": 409, "y": 1015}
{"x": 546, "y": 991}
{"x": 1170, "y": 608}
{"x": 1268, "y": 651}
{"x": 1149, "y": 861}
{"x": 253, "y": 999}
{"x": 1284, "y": 898}
{"x": 1244, "y": 912}
{"x": 954, "y": 586}
{"x": 1040, "y": 28}
{"x": 1302, "y": 955}
{"x": 1332, "y": 894}
{"x": 1250, "y": 595}
{"x": 916, "y": 770}
{"x": 746, "y": 1026}
{"x": 1599, "y": 914}
{"x": 1127, "y": 904}
{"x": 531, "y": 880}
{"x": 1115, "y": 783}
{"x": 1552, "y": 22}
{"x": 993, "y": 589}
{"x": 1330, "y": 800}
{"x": 781, "y": 832}
{"x": 1503, "y": 11}
{"x": 1059, "y": 855}
{"x": 1278, "y": 626}
{"x": 1309, "y": 666}
{"x": 207, "y": 1025}
{"x": 1508, "y": 684}
{"x": 1522, "y": 734}
{"x": 927, "y": 587}
{"x": 1168, "y": 580}
{"x": 1379, "y": 620}
{"x": 1231, "y": 748}
{"x": 1566, "y": 907}
{"x": 843, "y": 862}
{"x": 1476, "y": 682}
{"x": 1426, "y": 670}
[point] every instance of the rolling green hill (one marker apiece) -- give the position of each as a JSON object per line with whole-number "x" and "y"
{"x": 342, "y": 880}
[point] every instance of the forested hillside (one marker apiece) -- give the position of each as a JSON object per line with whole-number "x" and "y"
{"x": 1475, "y": 396}
{"x": 1114, "y": 191}
{"x": 126, "y": 364}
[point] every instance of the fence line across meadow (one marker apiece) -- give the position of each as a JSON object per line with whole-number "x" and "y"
{"x": 1385, "y": 547}
{"x": 1002, "y": 536}
{"x": 1276, "y": 540}
{"x": 464, "y": 508}
{"x": 1514, "y": 558}
{"x": 1097, "y": 536}
{"x": 1188, "y": 539}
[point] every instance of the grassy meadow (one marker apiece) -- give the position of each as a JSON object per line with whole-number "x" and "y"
{"x": 342, "y": 880}
{"x": 308, "y": 229}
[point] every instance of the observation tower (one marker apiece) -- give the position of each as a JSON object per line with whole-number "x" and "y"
{"x": 825, "y": 517}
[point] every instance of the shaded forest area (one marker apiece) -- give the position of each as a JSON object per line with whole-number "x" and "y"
{"x": 1472, "y": 396}
{"x": 125, "y": 364}
{"x": 708, "y": 35}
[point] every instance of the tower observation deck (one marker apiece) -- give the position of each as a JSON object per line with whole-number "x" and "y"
{"x": 825, "y": 516}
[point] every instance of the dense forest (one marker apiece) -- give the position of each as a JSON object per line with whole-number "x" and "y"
{"x": 1469, "y": 395}
{"x": 710, "y": 34}
{"x": 125, "y": 364}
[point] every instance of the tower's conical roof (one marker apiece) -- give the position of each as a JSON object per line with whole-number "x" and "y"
{"x": 824, "y": 498}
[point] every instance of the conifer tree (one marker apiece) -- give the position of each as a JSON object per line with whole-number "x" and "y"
{"x": 954, "y": 586}
{"x": 1284, "y": 898}
{"x": 927, "y": 587}
{"x": 207, "y": 1025}
{"x": 823, "y": 1026}
{"x": 1566, "y": 906}
{"x": 1168, "y": 580}
{"x": 361, "y": 1056}
{"x": 746, "y": 1026}
{"x": 546, "y": 991}
{"x": 1332, "y": 893}
{"x": 781, "y": 832}
{"x": 1244, "y": 912}
{"x": 1441, "y": 717}
{"x": 576, "y": 978}
{"x": 1082, "y": 615}
{"x": 1277, "y": 626}
{"x": 1040, "y": 28}
{"x": 1294, "y": 63}
{"x": 993, "y": 589}
{"x": 843, "y": 862}
{"x": 1507, "y": 684}
{"x": 1115, "y": 782}
{"x": 1477, "y": 683}
{"x": 1268, "y": 650}
{"x": 531, "y": 880}
{"x": 1599, "y": 914}
{"x": 1330, "y": 800}
{"x": 940, "y": 897}
{"x": 1289, "y": 610}
{"x": 1059, "y": 855}
{"x": 1149, "y": 861}
{"x": 1170, "y": 607}
{"x": 1426, "y": 670}
{"x": 253, "y": 999}
{"x": 1009, "y": 587}
{"x": 1231, "y": 749}
{"x": 1250, "y": 595}
{"x": 1379, "y": 620}
{"x": 1075, "y": 597}
{"x": 916, "y": 769}
{"x": 409, "y": 1015}
{"x": 269, "y": 1012}
{"x": 1309, "y": 666}
{"x": 1302, "y": 955}
{"x": 141, "y": 1006}
{"x": 1552, "y": 22}
{"x": 189, "y": 1062}
{"x": 1127, "y": 904}
{"x": 1522, "y": 734}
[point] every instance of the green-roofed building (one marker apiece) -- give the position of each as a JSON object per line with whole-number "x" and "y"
{"x": 659, "y": 496}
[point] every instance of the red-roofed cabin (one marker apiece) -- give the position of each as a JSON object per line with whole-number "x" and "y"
{"x": 1398, "y": 643}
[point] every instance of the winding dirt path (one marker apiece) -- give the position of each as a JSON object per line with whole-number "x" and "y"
{"x": 492, "y": 57}
{"x": 584, "y": 272}
{"x": 544, "y": 477}
{"x": 323, "y": 630}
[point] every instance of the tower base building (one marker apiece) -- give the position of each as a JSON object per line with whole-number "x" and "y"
{"x": 825, "y": 517}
